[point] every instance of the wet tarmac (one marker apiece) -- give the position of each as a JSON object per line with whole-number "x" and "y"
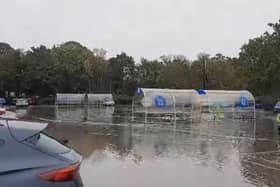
{"x": 120, "y": 153}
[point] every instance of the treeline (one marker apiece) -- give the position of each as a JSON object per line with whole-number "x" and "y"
{"x": 71, "y": 68}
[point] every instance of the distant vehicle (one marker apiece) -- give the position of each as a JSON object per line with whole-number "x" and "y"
{"x": 29, "y": 157}
{"x": 259, "y": 106}
{"x": 277, "y": 107}
{"x": 32, "y": 100}
{"x": 108, "y": 103}
{"x": 22, "y": 102}
{"x": 2, "y": 101}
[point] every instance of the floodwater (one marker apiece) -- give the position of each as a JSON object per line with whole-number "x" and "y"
{"x": 120, "y": 153}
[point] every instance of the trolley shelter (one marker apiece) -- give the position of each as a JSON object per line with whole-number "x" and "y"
{"x": 224, "y": 103}
{"x": 79, "y": 99}
{"x": 84, "y": 107}
{"x": 69, "y": 99}
{"x": 100, "y": 99}
{"x": 152, "y": 105}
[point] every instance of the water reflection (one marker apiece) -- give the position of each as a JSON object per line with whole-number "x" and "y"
{"x": 262, "y": 166}
{"x": 87, "y": 113}
{"x": 260, "y": 162}
{"x": 69, "y": 114}
{"x": 142, "y": 155}
{"x": 118, "y": 153}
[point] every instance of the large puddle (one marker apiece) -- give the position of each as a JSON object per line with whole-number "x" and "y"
{"x": 121, "y": 154}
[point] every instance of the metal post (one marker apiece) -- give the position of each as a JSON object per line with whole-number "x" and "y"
{"x": 232, "y": 110}
{"x": 174, "y": 108}
{"x": 192, "y": 114}
{"x": 184, "y": 114}
{"x": 146, "y": 112}
{"x": 132, "y": 110}
{"x": 255, "y": 120}
{"x": 86, "y": 107}
{"x": 204, "y": 74}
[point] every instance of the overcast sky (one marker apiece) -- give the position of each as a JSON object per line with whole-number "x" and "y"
{"x": 142, "y": 28}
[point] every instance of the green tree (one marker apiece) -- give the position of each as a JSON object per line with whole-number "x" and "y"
{"x": 97, "y": 70}
{"x": 261, "y": 56}
{"x": 37, "y": 71}
{"x": 149, "y": 73}
{"x": 69, "y": 66}
{"x": 199, "y": 71}
{"x": 175, "y": 72}
{"x": 9, "y": 59}
{"x": 220, "y": 73}
{"x": 122, "y": 74}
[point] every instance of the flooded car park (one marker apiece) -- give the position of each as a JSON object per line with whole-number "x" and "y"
{"x": 117, "y": 152}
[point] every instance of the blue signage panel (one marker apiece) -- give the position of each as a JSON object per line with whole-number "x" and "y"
{"x": 201, "y": 92}
{"x": 160, "y": 101}
{"x": 244, "y": 101}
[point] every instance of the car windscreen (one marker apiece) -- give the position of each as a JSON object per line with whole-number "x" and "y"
{"x": 47, "y": 144}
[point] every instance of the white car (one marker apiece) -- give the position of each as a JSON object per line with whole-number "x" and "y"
{"x": 108, "y": 103}
{"x": 276, "y": 108}
{"x": 21, "y": 102}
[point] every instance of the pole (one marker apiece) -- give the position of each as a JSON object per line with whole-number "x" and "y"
{"x": 204, "y": 74}
{"x": 86, "y": 107}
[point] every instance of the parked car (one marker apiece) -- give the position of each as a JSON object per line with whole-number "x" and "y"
{"x": 2, "y": 101}
{"x": 33, "y": 100}
{"x": 259, "y": 106}
{"x": 276, "y": 108}
{"x": 22, "y": 102}
{"x": 29, "y": 157}
{"x": 108, "y": 103}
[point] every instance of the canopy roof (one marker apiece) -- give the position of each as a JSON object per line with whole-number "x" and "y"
{"x": 150, "y": 97}
{"x": 98, "y": 97}
{"x": 227, "y": 98}
{"x": 70, "y": 99}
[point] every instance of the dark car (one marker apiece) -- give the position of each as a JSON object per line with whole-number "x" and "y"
{"x": 2, "y": 101}
{"x": 276, "y": 108}
{"x": 259, "y": 106}
{"x": 29, "y": 157}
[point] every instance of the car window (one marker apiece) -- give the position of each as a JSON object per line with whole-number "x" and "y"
{"x": 47, "y": 144}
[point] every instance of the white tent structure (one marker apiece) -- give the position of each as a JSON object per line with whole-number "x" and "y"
{"x": 100, "y": 99}
{"x": 240, "y": 104}
{"x": 69, "y": 99}
{"x": 234, "y": 105}
{"x": 155, "y": 105}
{"x": 79, "y": 99}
